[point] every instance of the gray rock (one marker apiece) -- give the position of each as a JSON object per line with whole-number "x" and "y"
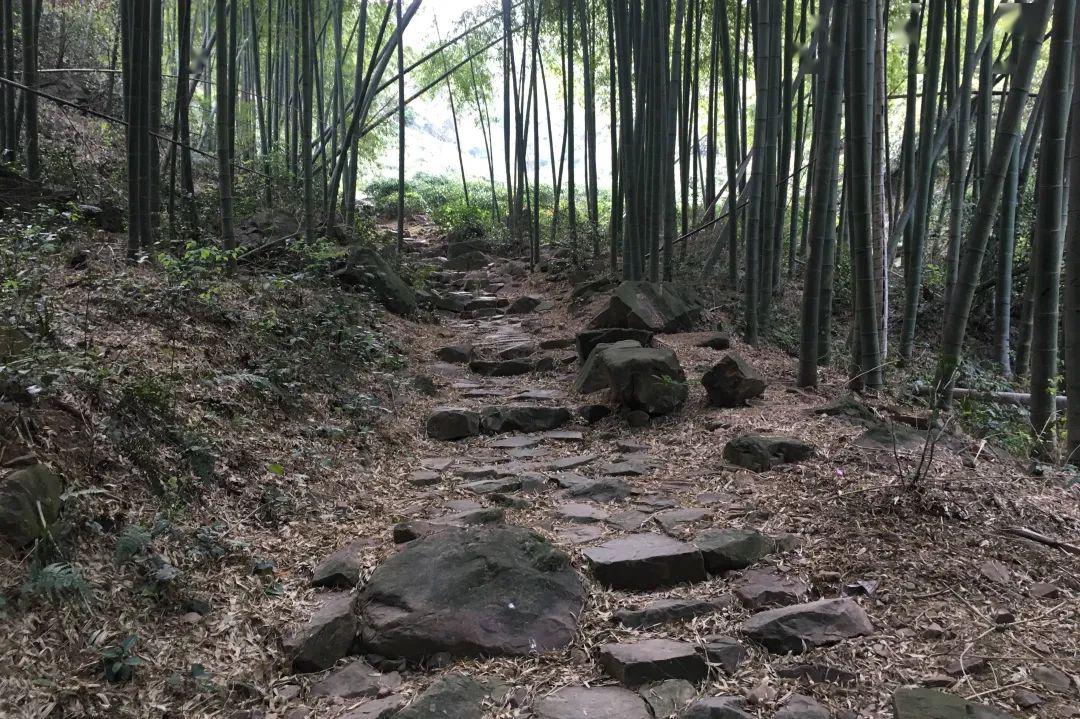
{"x": 450, "y": 423}
{"x": 357, "y": 679}
{"x": 762, "y": 588}
{"x": 645, "y": 562}
{"x": 593, "y": 374}
{"x": 456, "y": 354}
{"x": 414, "y": 529}
{"x": 603, "y": 489}
{"x": 675, "y": 520}
{"x": 799, "y": 706}
{"x": 483, "y": 591}
{"x": 455, "y": 697}
{"x": 473, "y": 260}
{"x": 665, "y": 611}
{"x": 580, "y": 513}
{"x": 424, "y": 478}
{"x": 375, "y": 709}
{"x": 366, "y": 268}
{"x": 326, "y": 637}
{"x": 732, "y": 382}
{"x": 652, "y": 660}
{"x": 717, "y": 708}
{"x": 591, "y": 703}
{"x": 727, "y": 652}
{"x": 486, "y": 302}
{"x": 716, "y": 341}
{"x": 645, "y": 379}
{"x": 669, "y": 697}
{"x": 630, "y": 520}
{"x": 578, "y": 460}
{"x": 814, "y": 624}
{"x": 728, "y": 549}
{"x": 588, "y": 340}
{"x": 502, "y": 368}
{"x": 593, "y": 413}
{"x": 523, "y": 418}
{"x": 653, "y": 306}
{"x": 1051, "y": 678}
{"x": 525, "y": 304}
{"x": 932, "y": 704}
{"x": 22, "y": 493}
{"x": 630, "y": 468}
{"x": 760, "y": 453}
{"x": 342, "y": 568}
{"x": 451, "y": 301}
{"x": 520, "y": 350}
{"x": 849, "y": 407}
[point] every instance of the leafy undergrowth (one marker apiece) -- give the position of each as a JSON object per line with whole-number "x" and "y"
{"x": 187, "y": 411}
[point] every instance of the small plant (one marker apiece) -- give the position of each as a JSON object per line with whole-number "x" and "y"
{"x": 118, "y": 661}
{"x": 133, "y": 541}
{"x": 56, "y": 582}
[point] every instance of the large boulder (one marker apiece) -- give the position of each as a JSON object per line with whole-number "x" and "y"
{"x": 367, "y": 268}
{"x": 646, "y": 378}
{"x": 653, "y": 306}
{"x": 732, "y": 382}
{"x": 803, "y": 626}
{"x": 588, "y": 340}
{"x": 523, "y": 418}
{"x": 27, "y": 496}
{"x": 760, "y": 453}
{"x": 593, "y": 376}
{"x": 911, "y": 703}
{"x": 328, "y": 636}
{"x": 481, "y": 591}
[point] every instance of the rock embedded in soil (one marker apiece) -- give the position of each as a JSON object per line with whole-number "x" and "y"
{"x": 368, "y": 269}
{"x": 589, "y": 340}
{"x": 450, "y": 423}
{"x": 523, "y": 418}
{"x": 645, "y": 379}
{"x": 666, "y": 611}
{"x": 652, "y": 660}
{"x": 593, "y": 413}
{"x": 760, "y": 453}
{"x": 803, "y": 626}
{"x": 716, "y": 341}
{"x": 518, "y": 351}
{"x": 732, "y": 382}
{"x": 456, "y": 354}
{"x": 424, "y": 478}
{"x": 502, "y": 368}
{"x": 1043, "y": 590}
{"x": 967, "y": 665}
{"x": 799, "y": 706}
{"x": 675, "y": 520}
{"x": 455, "y": 697}
{"x": 730, "y": 549}
{"x": 758, "y": 589}
{"x": 932, "y": 704}
{"x": 375, "y": 709}
{"x": 357, "y": 679}
{"x": 579, "y": 460}
{"x": 669, "y": 697}
{"x": 591, "y": 703}
{"x": 329, "y": 635}
{"x": 484, "y": 591}
{"x": 524, "y": 305}
{"x": 1051, "y": 678}
{"x": 27, "y": 496}
{"x": 580, "y": 513}
{"x": 486, "y": 302}
{"x": 342, "y": 568}
{"x": 645, "y": 562}
{"x": 727, "y": 652}
{"x": 724, "y": 707}
{"x": 603, "y": 489}
{"x": 593, "y": 374}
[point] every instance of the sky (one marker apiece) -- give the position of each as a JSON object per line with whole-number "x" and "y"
{"x": 429, "y": 141}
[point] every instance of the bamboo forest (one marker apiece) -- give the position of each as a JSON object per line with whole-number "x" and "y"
{"x": 540, "y": 359}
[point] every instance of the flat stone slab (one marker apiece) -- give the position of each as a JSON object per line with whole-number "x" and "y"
{"x": 814, "y": 624}
{"x": 645, "y": 562}
{"x": 932, "y": 704}
{"x": 579, "y": 534}
{"x": 591, "y": 703}
{"x": 729, "y": 549}
{"x": 580, "y": 513}
{"x": 673, "y": 520}
{"x": 652, "y": 660}
{"x": 762, "y": 588}
{"x": 482, "y": 591}
{"x": 578, "y": 460}
{"x": 518, "y": 441}
{"x": 522, "y": 418}
{"x": 606, "y": 489}
{"x": 725, "y": 707}
{"x": 665, "y": 611}
{"x": 424, "y": 478}
{"x": 669, "y": 697}
{"x": 727, "y": 652}
{"x": 454, "y": 697}
{"x": 355, "y": 680}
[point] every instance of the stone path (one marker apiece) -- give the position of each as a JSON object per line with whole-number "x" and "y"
{"x": 518, "y": 448}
